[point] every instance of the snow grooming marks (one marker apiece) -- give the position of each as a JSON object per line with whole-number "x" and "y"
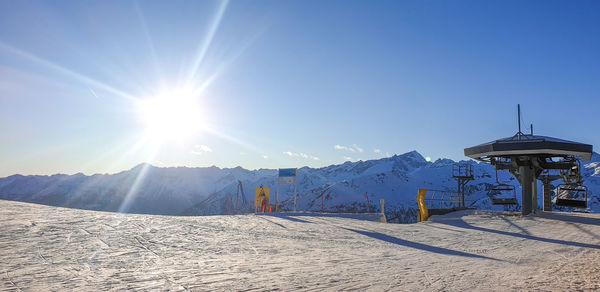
{"x": 245, "y": 252}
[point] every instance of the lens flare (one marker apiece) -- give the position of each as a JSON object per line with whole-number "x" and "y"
{"x": 174, "y": 114}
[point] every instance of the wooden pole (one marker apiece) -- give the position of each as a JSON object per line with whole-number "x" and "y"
{"x": 277, "y": 197}
{"x": 295, "y": 187}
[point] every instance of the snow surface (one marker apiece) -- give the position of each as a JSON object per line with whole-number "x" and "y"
{"x": 51, "y": 248}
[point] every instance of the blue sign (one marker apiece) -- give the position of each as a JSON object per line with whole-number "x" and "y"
{"x": 287, "y": 172}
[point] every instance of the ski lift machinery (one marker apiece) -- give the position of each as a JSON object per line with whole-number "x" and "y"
{"x": 530, "y": 158}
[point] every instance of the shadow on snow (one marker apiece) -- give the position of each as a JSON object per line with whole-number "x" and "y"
{"x": 416, "y": 245}
{"x": 458, "y": 222}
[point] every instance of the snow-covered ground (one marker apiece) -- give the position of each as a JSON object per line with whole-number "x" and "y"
{"x": 51, "y": 248}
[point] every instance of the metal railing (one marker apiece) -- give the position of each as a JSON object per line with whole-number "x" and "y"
{"x": 432, "y": 202}
{"x": 439, "y": 199}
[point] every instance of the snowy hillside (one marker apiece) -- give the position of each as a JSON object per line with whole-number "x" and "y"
{"x": 56, "y": 249}
{"x": 207, "y": 191}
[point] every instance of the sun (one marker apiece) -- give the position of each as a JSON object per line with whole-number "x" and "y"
{"x": 171, "y": 115}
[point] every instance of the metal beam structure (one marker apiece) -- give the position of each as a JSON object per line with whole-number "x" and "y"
{"x": 531, "y": 157}
{"x": 463, "y": 174}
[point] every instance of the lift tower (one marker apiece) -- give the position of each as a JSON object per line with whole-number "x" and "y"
{"x": 463, "y": 174}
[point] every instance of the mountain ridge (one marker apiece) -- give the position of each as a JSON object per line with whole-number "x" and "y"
{"x": 212, "y": 190}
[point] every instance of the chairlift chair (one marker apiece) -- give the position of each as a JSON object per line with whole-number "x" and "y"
{"x": 571, "y": 195}
{"x": 503, "y": 194}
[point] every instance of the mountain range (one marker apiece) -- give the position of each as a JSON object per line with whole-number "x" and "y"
{"x": 211, "y": 190}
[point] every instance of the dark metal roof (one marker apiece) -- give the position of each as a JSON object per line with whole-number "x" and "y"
{"x": 529, "y": 145}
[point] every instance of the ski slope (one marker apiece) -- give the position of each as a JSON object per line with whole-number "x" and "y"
{"x": 52, "y": 248}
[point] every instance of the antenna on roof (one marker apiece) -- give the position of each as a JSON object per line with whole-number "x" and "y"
{"x": 519, "y": 120}
{"x": 531, "y": 125}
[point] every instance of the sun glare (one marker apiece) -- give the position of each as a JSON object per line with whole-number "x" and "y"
{"x": 171, "y": 115}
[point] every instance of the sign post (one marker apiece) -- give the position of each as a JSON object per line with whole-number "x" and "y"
{"x": 382, "y": 218}
{"x": 287, "y": 176}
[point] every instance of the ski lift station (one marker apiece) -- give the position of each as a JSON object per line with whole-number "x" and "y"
{"x": 531, "y": 158}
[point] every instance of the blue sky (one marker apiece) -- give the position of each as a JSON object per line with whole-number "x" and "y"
{"x": 288, "y": 83}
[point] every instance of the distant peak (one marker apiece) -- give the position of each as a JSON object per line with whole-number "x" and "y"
{"x": 413, "y": 155}
{"x": 237, "y": 169}
{"x": 142, "y": 165}
{"x": 442, "y": 162}
{"x": 16, "y": 176}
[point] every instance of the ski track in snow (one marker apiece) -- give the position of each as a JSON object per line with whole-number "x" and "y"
{"x": 50, "y": 248}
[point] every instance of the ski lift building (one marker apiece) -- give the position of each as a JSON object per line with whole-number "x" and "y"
{"x": 528, "y": 156}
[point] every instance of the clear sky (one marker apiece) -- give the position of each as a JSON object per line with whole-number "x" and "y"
{"x": 101, "y": 86}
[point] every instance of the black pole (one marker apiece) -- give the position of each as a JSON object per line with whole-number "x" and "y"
{"x": 519, "y": 120}
{"x": 531, "y": 125}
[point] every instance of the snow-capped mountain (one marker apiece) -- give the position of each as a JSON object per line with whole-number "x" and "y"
{"x": 212, "y": 190}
